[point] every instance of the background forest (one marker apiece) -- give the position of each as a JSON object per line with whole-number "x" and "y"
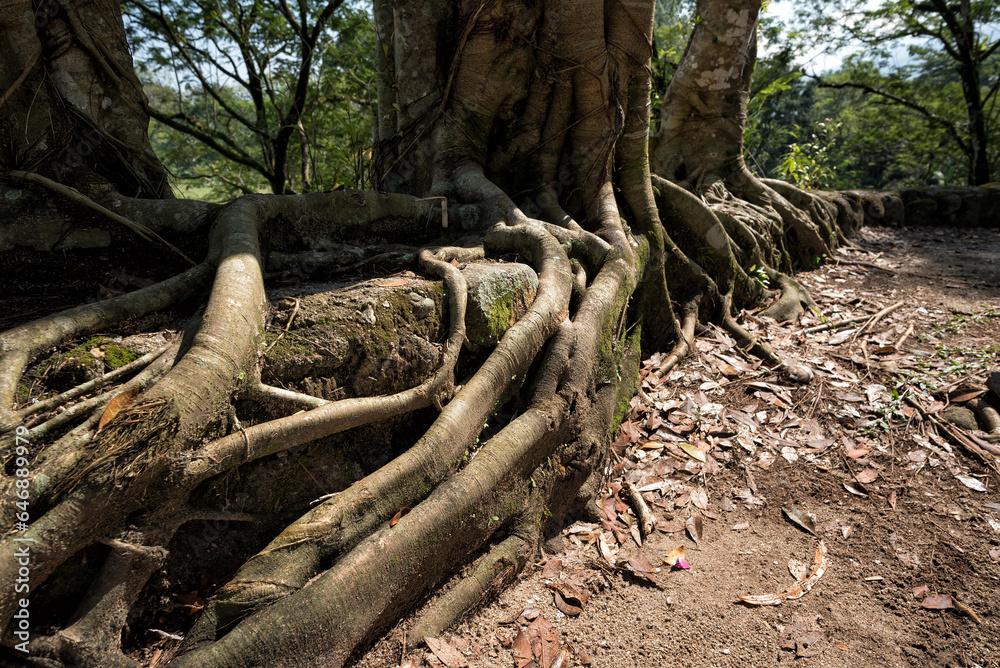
{"x": 258, "y": 97}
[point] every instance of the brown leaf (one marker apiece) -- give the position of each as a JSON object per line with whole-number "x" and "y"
{"x": 120, "y": 402}
{"x": 566, "y": 607}
{"x": 568, "y": 598}
{"x": 892, "y": 499}
{"x": 867, "y": 476}
{"x": 544, "y": 641}
{"x": 963, "y": 394}
{"x": 522, "y": 649}
{"x": 921, "y": 591}
{"x": 192, "y": 602}
{"x": 695, "y": 528}
{"x": 398, "y": 516}
{"x": 800, "y": 518}
{"x": 641, "y": 564}
{"x": 448, "y": 655}
{"x": 605, "y": 550}
{"x": 394, "y": 282}
{"x": 938, "y": 602}
{"x": 552, "y": 568}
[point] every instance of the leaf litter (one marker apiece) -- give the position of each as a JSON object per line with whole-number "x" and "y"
{"x": 722, "y": 434}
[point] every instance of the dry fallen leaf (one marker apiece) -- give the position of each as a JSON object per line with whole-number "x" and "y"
{"x": 695, "y": 528}
{"x": 552, "y": 569}
{"x": 522, "y": 649}
{"x": 800, "y": 518}
{"x": 120, "y": 402}
{"x": 798, "y": 569}
{"x": 447, "y": 654}
{"x": 971, "y": 483}
{"x": 938, "y": 602}
{"x": 398, "y": 516}
{"x": 799, "y": 589}
{"x": 692, "y": 451}
{"x": 568, "y": 598}
{"x": 192, "y": 602}
{"x": 867, "y": 476}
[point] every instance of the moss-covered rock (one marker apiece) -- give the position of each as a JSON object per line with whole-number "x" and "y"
{"x": 499, "y": 294}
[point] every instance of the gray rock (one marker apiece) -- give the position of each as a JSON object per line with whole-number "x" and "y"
{"x": 993, "y": 382}
{"x": 960, "y": 417}
{"x": 499, "y": 294}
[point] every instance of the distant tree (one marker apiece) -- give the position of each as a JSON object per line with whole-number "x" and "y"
{"x": 259, "y": 94}
{"x": 938, "y": 35}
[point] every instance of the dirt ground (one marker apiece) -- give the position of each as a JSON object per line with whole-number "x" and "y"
{"x": 910, "y": 520}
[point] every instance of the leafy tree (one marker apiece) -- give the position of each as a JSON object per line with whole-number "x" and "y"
{"x": 279, "y": 95}
{"x": 938, "y": 36}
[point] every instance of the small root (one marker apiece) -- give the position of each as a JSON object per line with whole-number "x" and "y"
{"x": 493, "y": 572}
{"x": 297, "y": 400}
{"x": 791, "y": 369}
{"x": 684, "y": 345}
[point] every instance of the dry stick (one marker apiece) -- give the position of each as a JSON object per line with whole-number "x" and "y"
{"x": 847, "y": 321}
{"x": 28, "y": 67}
{"x": 899, "y": 344}
{"x": 78, "y": 197}
{"x": 875, "y": 318}
{"x": 646, "y": 519}
{"x": 83, "y": 388}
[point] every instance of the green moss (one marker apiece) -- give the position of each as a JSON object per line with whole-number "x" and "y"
{"x": 286, "y": 348}
{"x": 501, "y": 316}
{"x": 116, "y": 356}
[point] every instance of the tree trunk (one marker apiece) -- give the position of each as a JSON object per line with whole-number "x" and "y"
{"x": 72, "y": 105}
{"x": 522, "y": 125}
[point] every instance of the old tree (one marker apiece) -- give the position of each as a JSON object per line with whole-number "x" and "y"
{"x": 506, "y": 131}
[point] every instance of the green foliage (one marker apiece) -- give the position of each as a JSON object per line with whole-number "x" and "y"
{"x": 256, "y": 97}
{"x": 807, "y": 162}
{"x": 919, "y": 92}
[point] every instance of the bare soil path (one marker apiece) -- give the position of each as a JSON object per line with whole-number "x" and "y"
{"x": 908, "y": 516}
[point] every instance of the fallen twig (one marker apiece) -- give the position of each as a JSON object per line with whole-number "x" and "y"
{"x": 875, "y": 318}
{"x": 799, "y": 589}
{"x": 849, "y": 321}
{"x": 642, "y": 511}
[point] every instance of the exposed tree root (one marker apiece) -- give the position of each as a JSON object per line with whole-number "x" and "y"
{"x": 554, "y": 115}
{"x": 498, "y": 568}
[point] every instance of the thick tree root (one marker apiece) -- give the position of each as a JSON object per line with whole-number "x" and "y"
{"x": 495, "y": 570}
{"x": 294, "y": 557}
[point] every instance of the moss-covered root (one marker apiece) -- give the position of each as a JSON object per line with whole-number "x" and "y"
{"x": 495, "y": 570}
